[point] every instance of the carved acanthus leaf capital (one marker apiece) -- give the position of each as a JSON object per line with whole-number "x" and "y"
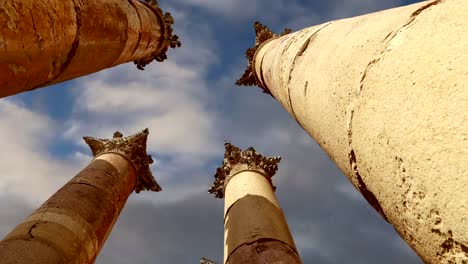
{"x": 236, "y": 160}
{"x": 134, "y": 148}
{"x": 262, "y": 34}
{"x": 167, "y": 38}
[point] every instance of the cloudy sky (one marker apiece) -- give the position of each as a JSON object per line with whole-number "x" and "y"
{"x": 190, "y": 105}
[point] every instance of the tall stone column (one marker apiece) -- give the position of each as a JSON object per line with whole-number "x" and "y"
{"x": 255, "y": 228}
{"x": 73, "y": 224}
{"x": 44, "y": 42}
{"x": 385, "y": 95}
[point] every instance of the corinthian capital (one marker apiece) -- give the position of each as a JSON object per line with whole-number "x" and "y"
{"x": 236, "y": 160}
{"x": 262, "y": 34}
{"x": 134, "y": 148}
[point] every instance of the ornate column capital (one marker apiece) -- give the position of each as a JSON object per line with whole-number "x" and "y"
{"x": 236, "y": 160}
{"x": 134, "y": 149}
{"x": 168, "y": 39}
{"x": 262, "y": 34}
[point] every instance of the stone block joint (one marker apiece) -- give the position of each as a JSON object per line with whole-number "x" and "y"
{"x": 236, "y": 160}
{"x": 134, "y": 149}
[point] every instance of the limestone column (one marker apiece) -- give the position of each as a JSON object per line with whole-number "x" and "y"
{"x": 44, "y": 42}
{"x": 73, "y": 224}
{"x": 386, "y": 97}
{"x": 255, "y": 228}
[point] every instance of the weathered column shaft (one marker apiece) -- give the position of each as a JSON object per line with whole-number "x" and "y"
{"x": 44, "y": 42}
{"x": 255, "y": 228}
{"x": 385, "y": 95}
{"x": 73, "y": 224}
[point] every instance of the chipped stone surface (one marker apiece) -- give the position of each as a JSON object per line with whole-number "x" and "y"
{"x": 387, "y": 93}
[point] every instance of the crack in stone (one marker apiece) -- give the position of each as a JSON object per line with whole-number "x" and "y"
{"x": 417, "y": 12}
{"x": 87, "y": 184}
{"x": 31, "y": 229}
{"x": 40, "y": 41}
{"x": 305, "y": 88}
{"x": 392, "y": 35}
{"x": 72, "y": 52}
{"x": 306, "y": 44}
{"x": 30, "y": 234}
{"x": 292, "y": 109}
{"x": 370, "y": 197}
{"x": 303, "y": 48}
{"x": 408, "y": 24}
{"x": 259, "y": 247}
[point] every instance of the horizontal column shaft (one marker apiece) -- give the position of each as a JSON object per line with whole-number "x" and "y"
{"x": 43, "y": 42}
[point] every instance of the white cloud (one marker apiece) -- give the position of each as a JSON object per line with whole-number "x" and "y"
{"x": 172, "y": 98}
{"x": 178, "y": 119}
{"x": 28, "y": 172}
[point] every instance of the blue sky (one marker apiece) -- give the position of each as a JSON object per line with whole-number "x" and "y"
{"x": 190, "y": 105}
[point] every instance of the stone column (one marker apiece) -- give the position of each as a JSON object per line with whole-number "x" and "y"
{"x": 44, "y": 42}
{"x": 73, "y": 224}
{"x": 386, "y": 97}
{"x": 255, "y": 228}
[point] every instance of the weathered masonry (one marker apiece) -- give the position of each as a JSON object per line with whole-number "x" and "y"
{"x": 386, "y": 96}
{"x": 44, "y": 42}
{"x": 73, "y": 224}
{"x": 255, "y": 228}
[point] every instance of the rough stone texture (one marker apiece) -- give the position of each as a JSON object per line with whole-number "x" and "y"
{"x": 45, "y": 42}
{"x": 73, "y": 224}
{"x": 385, "y": 95}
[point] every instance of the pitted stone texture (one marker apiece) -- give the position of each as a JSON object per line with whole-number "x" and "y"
{"x": 134, "y": 149}
{"x": 385, "y": 95}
